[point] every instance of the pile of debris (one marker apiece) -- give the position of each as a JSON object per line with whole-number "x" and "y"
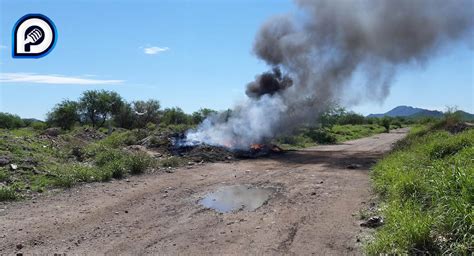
{"x": 258, "y": 150}
{"x": 89, "y": 134}
{"x": 217, "y": 153}
{"x": 167, "y": 144}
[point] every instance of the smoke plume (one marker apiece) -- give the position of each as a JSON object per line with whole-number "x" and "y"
{"x": 326, "y": 48}
{"x": 268, "y": 83}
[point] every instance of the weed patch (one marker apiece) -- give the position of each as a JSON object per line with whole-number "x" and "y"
{"x": 8, "y": 194}
{"x": 137, "y": 163}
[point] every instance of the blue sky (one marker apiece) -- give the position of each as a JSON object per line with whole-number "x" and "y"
{"x": 190, "y": 54}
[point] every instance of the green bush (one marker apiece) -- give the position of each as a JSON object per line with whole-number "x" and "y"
{"x": 108, "y": 155}
{"x": 38, "y": 126}
{"x": 385, "y": 122}
{"x": 117, "y": 169}
{"x": 321, "y": 136}
{"x": 119, "y": 139}
{"x": 4, "y": 176}
{"x": 138, "y": 162}
{"x": 8, "y": 194}
{"x": 151, "y": 126}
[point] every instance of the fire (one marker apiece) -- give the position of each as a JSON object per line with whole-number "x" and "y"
{"x": 257, "y": 147}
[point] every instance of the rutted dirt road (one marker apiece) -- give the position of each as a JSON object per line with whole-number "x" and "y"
{"x": 314, "y": 210}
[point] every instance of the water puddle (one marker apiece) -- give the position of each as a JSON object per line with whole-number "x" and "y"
{"x": 240, "y": 197}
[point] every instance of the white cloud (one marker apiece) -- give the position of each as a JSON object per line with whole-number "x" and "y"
{"x": 51, "y": 79}
{"x": 154, "y": 50}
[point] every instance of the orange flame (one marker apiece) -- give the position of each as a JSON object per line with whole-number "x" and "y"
{"x": 256, "y": 147}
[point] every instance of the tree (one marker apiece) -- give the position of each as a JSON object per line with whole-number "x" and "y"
{"x": 386, "y": 121}
{"x": 64, "y": 114}
{"x": 332, "y": 115}
{"x": 125, "y": 117}
{"x": 146, "y": 112}
{"x": 98, "y": 106}
{"x": 201, "y": 114}
{"x": 175, "y": 116}
{"x": 351, "y": 118}
{"x": 10, "y": 121}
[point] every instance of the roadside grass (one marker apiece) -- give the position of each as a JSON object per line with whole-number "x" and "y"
{"x": 63, "y": 161}
{"x": 171, "y": 162}
{"x": 307, "y": 137}
{"x": 67, "y": 175}
{"x": 427, "y": 191}
{"x": 352, "y": 132}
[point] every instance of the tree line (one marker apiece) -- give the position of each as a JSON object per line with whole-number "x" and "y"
{"x": 100, "y": 107}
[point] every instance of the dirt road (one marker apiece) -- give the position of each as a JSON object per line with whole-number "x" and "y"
{"x": 313, "y": 211}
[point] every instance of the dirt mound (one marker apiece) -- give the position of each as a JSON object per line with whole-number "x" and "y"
{"x": 208, "y": 153}
{"x": 88, "y": 134}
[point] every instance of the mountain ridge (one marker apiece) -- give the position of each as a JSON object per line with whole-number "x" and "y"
{"x": 414, "y": 112}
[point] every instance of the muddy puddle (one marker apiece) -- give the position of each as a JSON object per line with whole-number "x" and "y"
{"x": 234, "y": 198}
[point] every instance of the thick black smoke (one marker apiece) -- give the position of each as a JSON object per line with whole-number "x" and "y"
{"x": 329, "y": 48}
{"x": 268, "y": 83}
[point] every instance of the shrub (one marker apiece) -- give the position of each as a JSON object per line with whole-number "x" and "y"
{"x": 119, "y": 139}
{"x": 78, "y": 153}
{"x": 151, "y": 126}
{"x": 8, "y": 194}
{"x": 170, "y": 162}
{"x": 321, "y": 136}
{"x": 385, "y": 122}
{"x": 4, "y": 175}
{"x": 38, "y": 126}
{"x": 117, "y": 169}
{"x": 138, "y": 162}
{"x": 107, "y": 156}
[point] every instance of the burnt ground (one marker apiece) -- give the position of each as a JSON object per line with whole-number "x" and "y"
{"x": 313, "y": 211}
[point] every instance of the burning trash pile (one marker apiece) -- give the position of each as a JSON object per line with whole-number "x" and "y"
{"x": 180, "y": 146}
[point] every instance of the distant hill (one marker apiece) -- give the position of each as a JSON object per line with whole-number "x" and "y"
{"x": 407, "y": 111}
{"x": 31, "y": 120}
{"x": 465, "y": 115}
{"x": 427, "y": 113}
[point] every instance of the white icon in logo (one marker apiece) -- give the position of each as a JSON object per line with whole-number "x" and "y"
{"x": 34, "y": 36}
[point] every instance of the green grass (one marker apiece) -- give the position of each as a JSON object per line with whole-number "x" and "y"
{"x": 171, "y": 162}
{"x": 427, "y": 191}
{"x": 67, "y": 175}
{"x": 307, "y": 137}
{"x": 352, "y": 132}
